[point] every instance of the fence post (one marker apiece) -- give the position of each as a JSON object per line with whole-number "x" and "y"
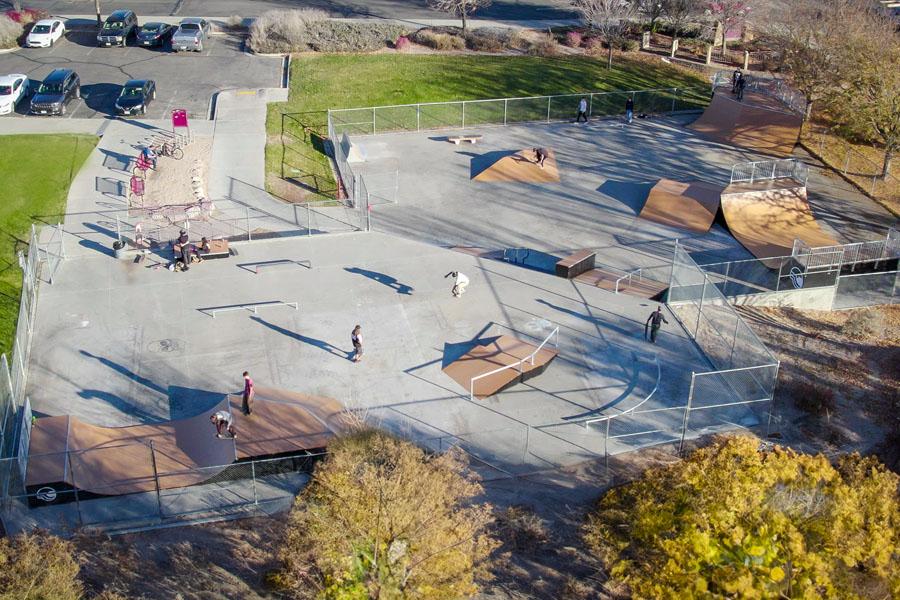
{"x": 847, "y": 162}
{"x": 606, "y": 446}
{"x": 591, "y": 106}
{"x": 505, "y": 107}
{"x": 774, "y": 163}
{"x": 464, "y": 115}
{"x": 700, "y": 309}
{"x": 725, "y": 287}
{"x": 248, "y": 223}
{"x": 373, "y": 120}
{"x": 687, "y": 412}
{"x": 674, "y": 97}
{"x": 548, "y": 108}
{"x": 74, "y": 487}
{"x": 418, "y": 117}
{"x": 156, "y": 481}
{"x": 253, "y": 475}
{"x": 308, "y": 221}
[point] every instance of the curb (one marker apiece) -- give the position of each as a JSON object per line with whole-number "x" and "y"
{"x": 10, "y": 50}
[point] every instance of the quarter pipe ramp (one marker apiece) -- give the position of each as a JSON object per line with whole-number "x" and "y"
{"x": 759, "y": 122}
{"x": 521, "y": 167}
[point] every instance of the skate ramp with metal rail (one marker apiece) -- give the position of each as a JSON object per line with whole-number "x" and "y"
{"x": 685, "y": 205}
{"x": 766, "y": 217}
{"x": 759, "y": 122}
{"x": 65, "y": 451}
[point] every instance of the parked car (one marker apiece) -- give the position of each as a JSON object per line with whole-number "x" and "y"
{"x": 45, "y": 32}
{"x": 155, "y": 34}
{"x": 12, "y": 89}
{"x": 191, "y": 35}
{"x": 135, "y": 96}
{"x": 57, "y": 90}
{"x": 118, "y": 27}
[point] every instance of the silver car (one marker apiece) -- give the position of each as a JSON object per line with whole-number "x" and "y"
{"x": 191, "y": 34}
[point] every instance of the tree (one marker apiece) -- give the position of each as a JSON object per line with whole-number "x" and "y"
{"x": 651, "y": 9}
{"x": 680, "y": 13}
{"x": 866, "y": 99}
{"x": 459, "y": 8}
{"x": 609, "y": 18}
{"x": 38, "y": 566}
{"x": 734, "y": 520}
{"x": 383, "y": 519}
{"x": 728, "y": 14}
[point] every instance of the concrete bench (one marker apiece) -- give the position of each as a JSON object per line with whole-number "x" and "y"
{"x": 217, "y": 249}
{"x": 456, "y": 139}
{"x": 575, "y": 264}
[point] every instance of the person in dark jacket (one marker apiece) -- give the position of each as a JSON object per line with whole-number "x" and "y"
{"x": 629, "y": 109}
{"x": 654, "y": 322}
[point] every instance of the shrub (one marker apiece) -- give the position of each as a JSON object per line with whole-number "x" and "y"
{"x": 862, "y": 323}
{"x": 544, "y": 47}
{"x": 27, "y": 15}
{"x": 235, "y": 22}
{"x": 381, "y": 514}
{"x": 518, "y": 40}
{"x": 521, "y": 528}
{"x": 402, "y": 43}
{"x": 10, "y": 31}
{"x": 812, "y": 398}
{"x": 488, "y": 39}
{"x": 38, "y": 565}
{"x": 573, "y": 39}
{"x": 303, "y": 30}
{"x": 630, "y": 46}
{"x": 438, "y": 41}
{"x": 734, "y": 521}
{"x": 594, "y": 45}
{"x": 282, "y": 30}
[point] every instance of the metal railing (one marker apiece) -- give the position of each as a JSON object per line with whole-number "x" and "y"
{"x": 769, "y": 170}
{"x": 629, "y": 277}
{"x": 516, "y": 365}
{"x": 252, "y": 307}
{"x": 841, "y": 156}
{"x": 770, "y": 86}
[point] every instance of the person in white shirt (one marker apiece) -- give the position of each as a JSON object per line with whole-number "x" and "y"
{"x": 459, "y": 283}
{"x": 582, "y": 111}
{"x": 224, "y": 421}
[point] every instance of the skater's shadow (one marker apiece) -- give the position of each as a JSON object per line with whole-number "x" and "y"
{"x": 383, "y": 279}
{"x": 322, "y": 345}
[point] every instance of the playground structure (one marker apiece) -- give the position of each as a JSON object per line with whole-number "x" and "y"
{"x": 759, "y": 122}
{"x": 521, "y": 167}
{"x": 65, "y": 452}
{"x": 497, "y": 363}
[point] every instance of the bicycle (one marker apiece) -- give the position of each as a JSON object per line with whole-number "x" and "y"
{"x": 166, "y": 148}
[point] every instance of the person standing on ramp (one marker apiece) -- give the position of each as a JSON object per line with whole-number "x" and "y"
{"x": 582, "y": 111}
{"x": 248, "y": 393}
{"x": 654, "y": 322}
{"x": 460, "y": 283}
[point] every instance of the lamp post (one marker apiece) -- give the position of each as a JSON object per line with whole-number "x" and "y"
{"x": 97, "y": 8}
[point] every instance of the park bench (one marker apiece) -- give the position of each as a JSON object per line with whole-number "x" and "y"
{"x": 456, "y": 139}
{"x": 217, "y": 249}
{"x": 575, "y": 264}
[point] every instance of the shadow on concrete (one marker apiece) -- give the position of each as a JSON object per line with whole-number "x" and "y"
{"x": 320, "y": 344}
{"x": 126, "y": 372}
{"x": 187, "y": 402}
{"x": 455, "y": 351}
{"x": 633, "y": 195}
{"x": 383, "y": 279}
{"x": 482, "y": 162}
{"x": 92, "y": 245}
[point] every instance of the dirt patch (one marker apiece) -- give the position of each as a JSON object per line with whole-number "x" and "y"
{"x": 174, "y": 181}
{"x": 839, "y": 378}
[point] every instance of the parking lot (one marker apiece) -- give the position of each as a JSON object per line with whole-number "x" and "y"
{"x": 183, "y": 80}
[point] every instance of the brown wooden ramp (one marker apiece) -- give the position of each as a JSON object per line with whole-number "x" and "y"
{"x": 605, "y": 279}
{"x": 521, "y": 167}
{"x": 119, "y": 460}
{"x": 489, "y": 356}
{"x": 685, "y": 205}
{"x": 766, "y": 217}
{"x": 759, "y": 122}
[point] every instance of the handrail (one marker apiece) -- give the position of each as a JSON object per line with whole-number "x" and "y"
{"x": 516, "y": 364}
{"x": 255, "y": 306}
{"x": 629, "y": 276}
{"x": 607, "y": 418}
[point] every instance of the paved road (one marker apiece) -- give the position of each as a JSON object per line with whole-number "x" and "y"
{"x": 501, "y": 10}
{"x": 184, "y": 80}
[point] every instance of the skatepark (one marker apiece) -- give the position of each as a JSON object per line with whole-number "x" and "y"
{"x": 517, "y": 371}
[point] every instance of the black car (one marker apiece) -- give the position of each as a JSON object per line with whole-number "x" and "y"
{"x": 119, "y": 26}
{"x": 155, "y": 34}
{"x": 135, "y": 96}
{"x": 57, "y": 90}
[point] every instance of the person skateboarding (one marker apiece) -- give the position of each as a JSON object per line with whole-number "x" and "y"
{"x": 629, "y": 109}
{"x": 654, "y": 322}
{"x": 540, "y": 155}
{"x": 224, "y": 421}
{"x": 356, "y": 340}
{"x": 582, "y": 110}
{"x": 247, "y": 396}
{"x": 460, "y": 283}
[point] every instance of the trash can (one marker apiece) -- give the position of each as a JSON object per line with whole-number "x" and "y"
{"x": 119, "y": 248}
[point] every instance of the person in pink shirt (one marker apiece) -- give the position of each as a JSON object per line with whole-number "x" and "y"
{"x": 248, "y": 393}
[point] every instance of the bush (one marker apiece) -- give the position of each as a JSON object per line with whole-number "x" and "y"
{"x": 235, "y": 23}
{"x": 544, "y": 47}
{"x": 862, "y": 323}
{"x": 518, "y": 40}
{"x": 630, "y": 46}
{"x": 573, "y": 39}
{"x": 521, "y": 528}
{"x": 304, "y": 30}
{"x": 734, "y": 521}
{"x": 381, "y": 518}
{"x": 437, "y": 40}
{"x": 10, "y": 32}
{"x": 38, "y": 565}
{"x": 812, "y": 398}
{"x": 488, "y": 39}
{"x": 594, "y": 45}
{"x": 402, "y": 43}
{"x": 27, "y": 15}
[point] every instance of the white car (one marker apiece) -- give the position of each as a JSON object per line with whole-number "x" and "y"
{"x": 12, "y": 89}
{"x": 45, "y": 33}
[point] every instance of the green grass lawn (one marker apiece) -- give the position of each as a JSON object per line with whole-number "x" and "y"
{"x": 297, "y": 128}
{"x": 35, "y": 171}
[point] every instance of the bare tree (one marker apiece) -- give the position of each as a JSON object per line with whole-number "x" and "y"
{"x": 681, "y": 13}
{"x": 459, "y": 8}
{"x": 610, "y": 18}
{"x": 729, "y": 14}
{"x": 651, "y": 9}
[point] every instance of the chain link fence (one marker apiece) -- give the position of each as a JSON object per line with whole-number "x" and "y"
{"x": 767, "y": 170}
